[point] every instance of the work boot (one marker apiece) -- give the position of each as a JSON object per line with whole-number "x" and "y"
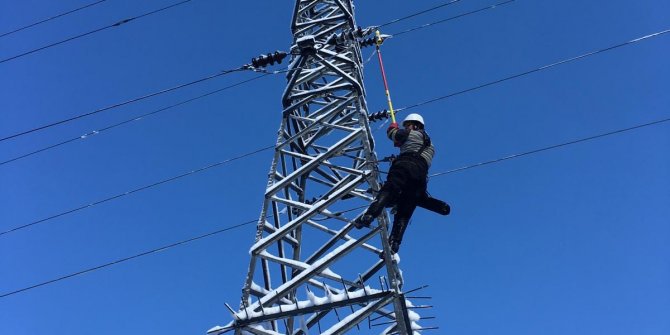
{"x": 399, "y": 226}
{"x": 434, "y": 205}
{"x": 363, "y": 221}
{"x": 395, "y": 245}
{"x": 376, "y": 207}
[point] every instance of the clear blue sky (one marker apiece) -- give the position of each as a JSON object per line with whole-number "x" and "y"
{"x": 568, "y": 241}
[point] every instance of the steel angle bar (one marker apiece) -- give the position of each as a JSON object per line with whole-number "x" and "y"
{"x": 377, "y": 297}
{"x": 326, "y": 163}
{"x": 270, "y": 228}
{"x": 330, "y": 54}
{"x": 315, "y": 318}
{"x": 326, "y": 107}
{"x": 323, "y": 34}
{"x": 316, "y": 208}
{"x": 280, "y": 244}
{"x": 324, "y": 124}
{"x": 360, "y": 315}
{"x": 292, "y": 185}
{"x": 297, "y": 265}
{"x": 358, "y": 193}
{"x": 315, "y": 22}
{"x": 338, "y": 190}
{"x": 416, "y": 289}
{"x": 344, "y": 237}
{"x": 347, "y": 11}
{"x": 325, "y": 90}
{"x": 304, "y": 206}
{"x": 334, "y": 61}
{"x": 332, "y": 109}
{"x": 315, "y": 161}
{"x": 343, "y": 74}
{"x": 307, "y": 76}
{"x": 286, "y": 238}
{"x": 371, "y": 272}
{"x": 317, "y": 267}
{"x": 330, "y": 243}
{"x": 257, "y": 331}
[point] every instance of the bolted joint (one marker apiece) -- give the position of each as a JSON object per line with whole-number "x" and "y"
{"x": 270, "y": 58}
{"x": 381, "y": 115}
{"x": 305, "y": 45}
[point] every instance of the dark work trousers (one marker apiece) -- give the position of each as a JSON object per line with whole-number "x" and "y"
{"x": 407, "y": 181}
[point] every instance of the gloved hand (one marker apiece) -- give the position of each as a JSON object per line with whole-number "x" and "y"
{"x": 393, "y": 125}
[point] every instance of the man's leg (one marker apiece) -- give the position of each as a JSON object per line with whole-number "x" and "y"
{"x": 434, "y": 205}
{"x": 400, "y": 221}
{"x": 386, "y": 196}
{"x": 395, "y": 182}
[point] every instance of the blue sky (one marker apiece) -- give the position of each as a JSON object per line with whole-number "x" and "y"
{"x": 568, "y": 241}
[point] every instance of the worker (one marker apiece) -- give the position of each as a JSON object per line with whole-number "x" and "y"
{"x": 406, "y": 184}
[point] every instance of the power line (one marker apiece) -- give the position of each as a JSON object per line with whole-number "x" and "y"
{"x": 146, "y": 253}
{"x": 349, "y": 210}
{"x": 137, "y": 118}
{"x": 401, "y": 109}
{"x": 555, "y": 146}
{"x": 136, "y": 190}
{"x": 419, "y": 13}
{"x": 52, "y": 18}
{"x": 191, "y": 83}
{"x": 150, "y": 95}
{"x": 101, "y": 1}
{"x": 452, "y": 18}
{"x": 545, "y": 67}
{"x": 124, "y": 21}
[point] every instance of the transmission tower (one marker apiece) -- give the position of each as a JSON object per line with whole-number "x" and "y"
{"x": 311, "y": 271}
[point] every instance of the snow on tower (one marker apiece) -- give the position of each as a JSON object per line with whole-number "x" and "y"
{"x": 311, "y": 271}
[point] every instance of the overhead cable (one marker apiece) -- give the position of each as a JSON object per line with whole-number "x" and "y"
{"x": 203, "y": 79}
{"x": 545, "y": 67}
{"x": 125, "y": 259}
{"x": 100, "y": 110}
{"x": 269, "y": 147}
{"x": 137, "y": 118}
{"x": 555, "y": 146}
{"x": 451, "y": 18}
{"x": 418, "y": 13}
{"x": 117, "y": 24}
{"x": 136, "y": 190}
{"x": 51, "y": 18}
{"x": 349, "y": 210}
{"x": 398, "y": 110}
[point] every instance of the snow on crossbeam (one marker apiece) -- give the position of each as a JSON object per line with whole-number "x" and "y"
{"x": 314, "y": 304}
{"x": 337, "y": 147}
{"x": 316, "y": 267}
{"x": 316, "y": 208}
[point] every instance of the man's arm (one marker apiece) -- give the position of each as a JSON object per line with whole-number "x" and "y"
{"x": 398, "y": 136}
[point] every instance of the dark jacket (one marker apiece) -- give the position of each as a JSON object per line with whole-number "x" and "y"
{"x": 411, "y": 142}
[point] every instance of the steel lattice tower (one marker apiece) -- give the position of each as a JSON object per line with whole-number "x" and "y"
{"x": 311, "y": 271}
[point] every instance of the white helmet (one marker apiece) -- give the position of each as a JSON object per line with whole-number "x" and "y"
{"x": 414, "y": 117}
